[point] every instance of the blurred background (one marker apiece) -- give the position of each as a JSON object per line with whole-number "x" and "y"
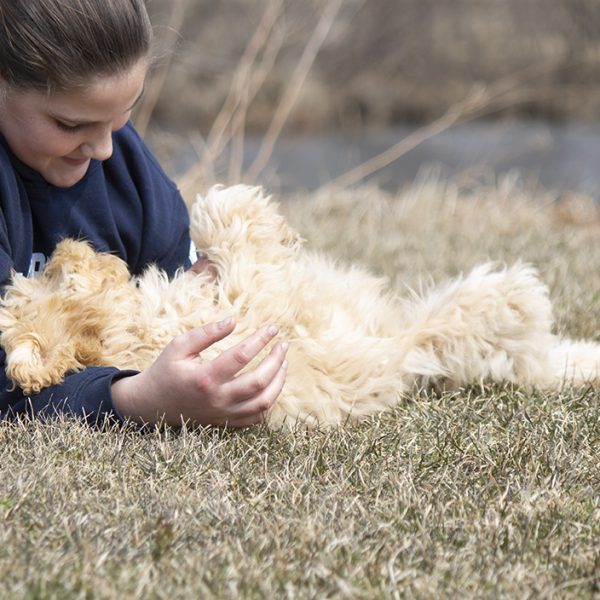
{"x": 299, "y": 95}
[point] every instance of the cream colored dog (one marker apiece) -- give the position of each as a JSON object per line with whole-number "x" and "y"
{"x": 354, "y": 348}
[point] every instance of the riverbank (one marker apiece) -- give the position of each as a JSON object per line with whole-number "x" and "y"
{"x": 560, "y": 157}
{"x": 378, "y": 63}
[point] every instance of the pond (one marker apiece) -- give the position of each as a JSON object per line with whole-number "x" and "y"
{"x": 563, "y": 157}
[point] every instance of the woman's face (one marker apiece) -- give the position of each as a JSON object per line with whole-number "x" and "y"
{"x": 57, "y": 135}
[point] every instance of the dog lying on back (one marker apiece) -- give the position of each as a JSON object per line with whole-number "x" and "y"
{"x": 355, "y": 348}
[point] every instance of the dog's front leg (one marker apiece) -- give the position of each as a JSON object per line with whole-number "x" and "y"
{"x": 34, "y": 362}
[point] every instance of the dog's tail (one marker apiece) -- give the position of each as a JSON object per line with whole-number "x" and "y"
{"x": 574, "y": 363}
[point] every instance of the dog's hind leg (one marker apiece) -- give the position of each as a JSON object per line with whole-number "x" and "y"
{"x": 489, "y": 325}
{"x": 244, "y": 237}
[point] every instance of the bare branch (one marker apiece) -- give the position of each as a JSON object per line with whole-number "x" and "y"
{"x": 480, "y": 101}
{"x": 243, "y": 75}
{"x": 292, "y": 91}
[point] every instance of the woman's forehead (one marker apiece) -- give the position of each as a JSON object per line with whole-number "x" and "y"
{"x": 107, "y": 94}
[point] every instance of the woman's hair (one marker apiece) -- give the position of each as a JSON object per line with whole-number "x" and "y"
{"x": 59, "y": 45}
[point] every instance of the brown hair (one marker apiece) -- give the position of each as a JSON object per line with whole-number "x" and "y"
{"x": 59, "y": 45}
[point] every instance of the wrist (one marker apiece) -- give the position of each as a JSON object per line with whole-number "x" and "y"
{"x": 124, "y": 399}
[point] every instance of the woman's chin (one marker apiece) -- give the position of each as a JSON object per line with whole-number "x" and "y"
{"x": 67, "y": 173}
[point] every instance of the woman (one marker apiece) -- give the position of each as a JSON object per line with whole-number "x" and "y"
{"x": 72, "y": 165}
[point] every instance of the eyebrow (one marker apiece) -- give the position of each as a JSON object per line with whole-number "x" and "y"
{"x": 85, "y": 122}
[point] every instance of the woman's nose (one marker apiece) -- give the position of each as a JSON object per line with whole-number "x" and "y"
{"x": 99, "y": 146}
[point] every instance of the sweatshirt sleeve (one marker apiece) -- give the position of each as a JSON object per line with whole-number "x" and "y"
{"x": 85, "y": 395}
{"x": 147, "y": 206}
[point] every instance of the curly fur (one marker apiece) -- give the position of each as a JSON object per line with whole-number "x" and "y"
{"x": 354, "y": 347}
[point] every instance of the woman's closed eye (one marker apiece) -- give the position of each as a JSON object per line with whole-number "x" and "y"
{"x": 68, "y": 127}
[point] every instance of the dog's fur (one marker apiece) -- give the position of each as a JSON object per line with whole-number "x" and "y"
{"x": 354, "y": 348}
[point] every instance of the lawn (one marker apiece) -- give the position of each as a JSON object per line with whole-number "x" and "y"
{"x": 485, "y": 492}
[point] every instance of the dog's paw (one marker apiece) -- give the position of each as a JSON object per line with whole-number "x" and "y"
{"x": 33, "y": 369}
{"x": 241, "y": 219}
{"x": 30, "y": 370}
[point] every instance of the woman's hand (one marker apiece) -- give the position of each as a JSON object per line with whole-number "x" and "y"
{"x": 176, "y": 388}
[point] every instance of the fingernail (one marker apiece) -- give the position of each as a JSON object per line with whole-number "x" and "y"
{"x": 225, "y": 322}
{"x": 284, "y": 346}
{"x": 284, "y": 365}
{"x": 272, "y": 329}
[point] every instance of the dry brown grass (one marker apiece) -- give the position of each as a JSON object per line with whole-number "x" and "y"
{"x": 485, "y": 493}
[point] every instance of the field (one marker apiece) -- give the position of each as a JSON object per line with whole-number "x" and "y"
{"x": 489, "y": 492}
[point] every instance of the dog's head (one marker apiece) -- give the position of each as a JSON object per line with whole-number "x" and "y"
{"x": 241, "y": 219}
{"x": 76, "y": 266}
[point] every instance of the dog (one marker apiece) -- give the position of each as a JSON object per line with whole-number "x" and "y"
{"x": 355, "y": 348}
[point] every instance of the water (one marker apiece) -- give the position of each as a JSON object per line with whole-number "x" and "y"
{"x": 562, "y": 157}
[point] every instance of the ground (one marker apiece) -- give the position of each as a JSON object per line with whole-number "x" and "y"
{"x": 486, "y": 492}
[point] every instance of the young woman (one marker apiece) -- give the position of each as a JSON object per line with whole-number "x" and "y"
{"x": 72, "y": 165}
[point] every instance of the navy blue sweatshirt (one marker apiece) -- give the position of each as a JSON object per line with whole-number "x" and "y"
{"x": 125, "y": 205}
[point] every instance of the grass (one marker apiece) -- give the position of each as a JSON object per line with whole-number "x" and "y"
{"x": 488, "y": 492}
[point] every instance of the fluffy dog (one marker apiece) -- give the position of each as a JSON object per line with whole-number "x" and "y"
{"x": 354, "y": 348}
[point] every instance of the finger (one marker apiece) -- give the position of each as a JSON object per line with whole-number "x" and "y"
{"x": 234, "y": 359}
{"x": 256, "y": 410}
{"x": 250, "y": 384}
{"x": 193, "y": 342}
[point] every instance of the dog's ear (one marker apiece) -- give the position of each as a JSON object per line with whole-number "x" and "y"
{"x": 112, "y": 269}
